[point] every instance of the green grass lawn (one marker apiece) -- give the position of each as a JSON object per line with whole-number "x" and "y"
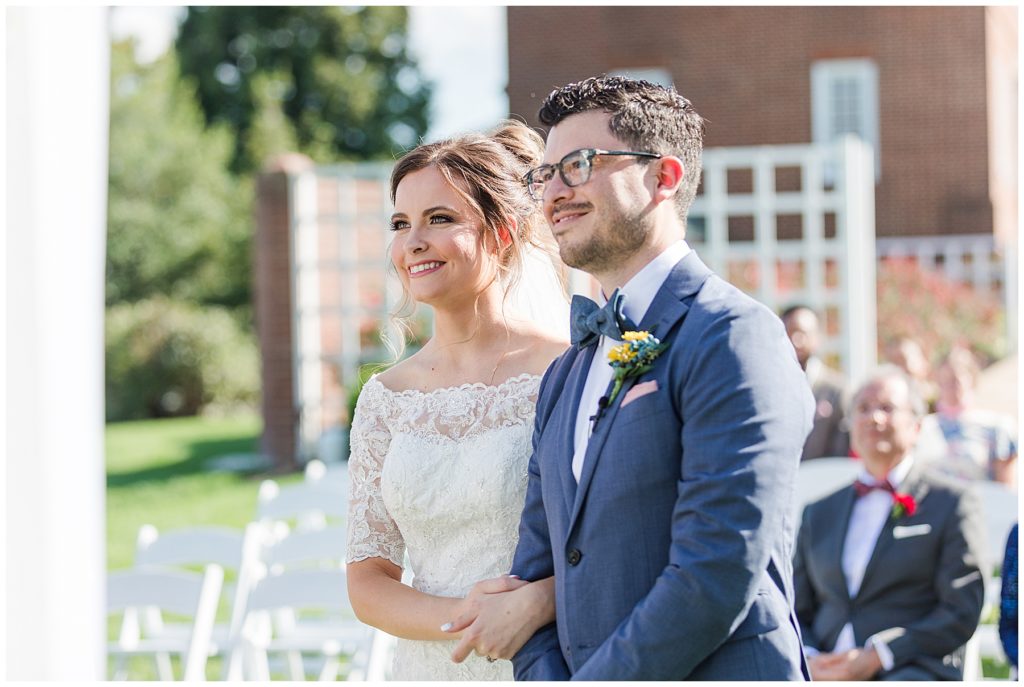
{"x": 156, "y": 474}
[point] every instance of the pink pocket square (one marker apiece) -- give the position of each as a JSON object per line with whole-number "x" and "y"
{"x": 641, "y": 389}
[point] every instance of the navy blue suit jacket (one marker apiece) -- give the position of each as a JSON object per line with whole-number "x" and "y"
{"x": 672, "y": 557}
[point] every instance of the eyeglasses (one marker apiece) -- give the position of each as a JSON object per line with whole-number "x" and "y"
{"x": 574, "y": 169}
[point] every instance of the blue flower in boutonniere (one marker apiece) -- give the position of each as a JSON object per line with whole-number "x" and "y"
{"x": 632, "y": 358}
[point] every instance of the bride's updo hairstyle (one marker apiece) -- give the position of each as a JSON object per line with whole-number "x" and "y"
{"x": 487, "y": 171}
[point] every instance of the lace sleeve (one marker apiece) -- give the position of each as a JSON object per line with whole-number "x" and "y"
{"x": 371, "y": 531}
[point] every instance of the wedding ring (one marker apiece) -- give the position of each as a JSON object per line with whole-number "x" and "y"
{"x": 491, "y": 660}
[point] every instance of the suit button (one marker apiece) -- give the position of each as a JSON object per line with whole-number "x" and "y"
{"x": 574, "y": 557}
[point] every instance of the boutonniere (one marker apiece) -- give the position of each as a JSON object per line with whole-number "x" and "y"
{"x": 902, "y": 504}
{"x": 632, "y": 358}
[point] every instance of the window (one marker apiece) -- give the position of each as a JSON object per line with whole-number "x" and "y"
{"x": 844, "y": 100}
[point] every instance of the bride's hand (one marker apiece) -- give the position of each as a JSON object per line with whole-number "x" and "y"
{"x": 504, "y": 619}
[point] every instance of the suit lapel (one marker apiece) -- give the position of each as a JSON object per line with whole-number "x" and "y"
{"x": 917, "y": 488}
{"x": 669, "y": 306}
{"x": 837, "y": 541}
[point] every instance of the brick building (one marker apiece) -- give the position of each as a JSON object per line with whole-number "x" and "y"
{"x": 933, "y": 88}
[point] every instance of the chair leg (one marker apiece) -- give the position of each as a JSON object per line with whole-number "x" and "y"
{"x": 164, "y": 671}
{"x": 330, "y": 669}
{"x": 295, "y": 668}
{"x": 120, "y": 670}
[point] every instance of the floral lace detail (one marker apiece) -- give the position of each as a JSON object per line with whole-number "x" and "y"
{"x": 442, "y": 473}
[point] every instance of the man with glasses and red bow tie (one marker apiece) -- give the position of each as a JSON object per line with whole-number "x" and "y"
{"x": 888, "y": 570}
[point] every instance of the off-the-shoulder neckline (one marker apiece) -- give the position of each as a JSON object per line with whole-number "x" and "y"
{"x": 460, "y": 387}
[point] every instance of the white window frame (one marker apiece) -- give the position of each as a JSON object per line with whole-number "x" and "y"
{"x": 865, "y": 72}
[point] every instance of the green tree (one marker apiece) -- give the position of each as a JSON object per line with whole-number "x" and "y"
{"x": 342, "y": 74}
{"x": 179, "y": 223}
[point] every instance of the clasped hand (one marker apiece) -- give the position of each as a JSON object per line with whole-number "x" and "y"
{"x": 495, "y": 619}
{"x": 855, "y": 664}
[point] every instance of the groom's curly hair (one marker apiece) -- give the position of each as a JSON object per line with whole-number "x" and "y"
{"x": 646, "y": 116}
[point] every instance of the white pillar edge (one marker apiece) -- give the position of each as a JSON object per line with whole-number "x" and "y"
{"x": 57, "y": 74}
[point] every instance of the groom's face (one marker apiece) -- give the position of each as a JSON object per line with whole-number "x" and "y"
{"x": 605, "y": 220}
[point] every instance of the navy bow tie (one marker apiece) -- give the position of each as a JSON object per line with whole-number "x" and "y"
{"x": 588, "y": 321}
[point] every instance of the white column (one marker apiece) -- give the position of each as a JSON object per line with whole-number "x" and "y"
{"x": 57, "y": 93}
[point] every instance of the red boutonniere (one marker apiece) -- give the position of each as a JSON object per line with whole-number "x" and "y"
{"x": 903, "y": 504}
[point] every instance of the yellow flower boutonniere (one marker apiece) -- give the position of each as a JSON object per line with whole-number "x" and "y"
{"x": 632, "y": 358}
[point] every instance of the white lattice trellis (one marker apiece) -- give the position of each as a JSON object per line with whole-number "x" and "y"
{"x": 808, "y": 244}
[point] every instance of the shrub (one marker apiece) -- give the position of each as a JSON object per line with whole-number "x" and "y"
{"x": 168, "y": 358}
{"x": 925, "y": 305}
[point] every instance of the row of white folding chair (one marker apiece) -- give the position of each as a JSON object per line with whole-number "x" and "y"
{"x": 308, "y": 504}
{"x": 195, "y": 546}
{"x": 303, "y": 572}
{"x": 184, "y": 593}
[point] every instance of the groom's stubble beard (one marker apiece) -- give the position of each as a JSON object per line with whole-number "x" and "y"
{"x": 616, "y": 237}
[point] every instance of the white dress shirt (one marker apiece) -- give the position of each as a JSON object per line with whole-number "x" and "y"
{"x": 869, "y": 515}
{"x": 640, "y": 292}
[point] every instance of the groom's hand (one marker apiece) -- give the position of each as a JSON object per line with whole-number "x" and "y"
{"x": 484, "y": 622}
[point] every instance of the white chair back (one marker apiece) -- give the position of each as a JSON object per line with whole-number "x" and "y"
{"x": 334, "y": 632}
{"x": 183, "y": 593}
{"x": 234, "y": 550}
{"x": 820, "y": 477}
{"x": 999, "y": 505}
{"x": 310, "y": 506}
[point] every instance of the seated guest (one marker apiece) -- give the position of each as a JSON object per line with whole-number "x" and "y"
{"x": 909, "y": 355}
{"x": 829, "y": 435}
{"x": 888, "y": 570}
{"x": 1008, "y": 602}
{"x": 964, "y": 441}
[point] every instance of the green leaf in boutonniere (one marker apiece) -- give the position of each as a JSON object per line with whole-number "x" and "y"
{"x": 632, "y": 358}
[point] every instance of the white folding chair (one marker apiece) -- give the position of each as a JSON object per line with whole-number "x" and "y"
{"x": 309, "y": 506}
{"x": 233, "y": 550}
{"x": 339, "y": 633}
{"x": 183, "y": 593}
{"x": 999, "y": 506}
{"x": 822, "y": 476}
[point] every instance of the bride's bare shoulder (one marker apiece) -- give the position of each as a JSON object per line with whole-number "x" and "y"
{"x": 403, "y": 375}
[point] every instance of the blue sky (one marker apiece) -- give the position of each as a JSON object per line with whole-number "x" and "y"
{"x": 463, "y": 50}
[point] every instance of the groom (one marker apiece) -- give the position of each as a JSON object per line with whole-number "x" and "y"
{"x": 664, "y": 508}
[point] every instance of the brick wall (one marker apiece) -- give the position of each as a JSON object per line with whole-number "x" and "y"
{"x": 747, "y": 71}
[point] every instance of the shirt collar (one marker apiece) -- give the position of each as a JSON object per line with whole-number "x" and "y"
{"x": 896, "y": 475}
{"x": 643, "y": 287}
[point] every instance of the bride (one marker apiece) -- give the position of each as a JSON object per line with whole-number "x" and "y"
{"x": 441, "y": 441}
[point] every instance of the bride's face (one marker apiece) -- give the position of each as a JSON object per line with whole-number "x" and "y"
{"x": 439, "y": 249}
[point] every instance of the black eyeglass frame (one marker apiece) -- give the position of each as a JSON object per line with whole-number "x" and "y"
{"x": 588, "y": 154}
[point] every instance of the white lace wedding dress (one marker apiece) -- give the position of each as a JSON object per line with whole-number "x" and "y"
{"x": 442, "y": 474}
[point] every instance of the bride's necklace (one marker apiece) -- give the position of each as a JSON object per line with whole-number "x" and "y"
{"x": 494, "y": 370}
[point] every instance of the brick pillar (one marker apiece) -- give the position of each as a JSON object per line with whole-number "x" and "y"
{"x": 273, "y": 309}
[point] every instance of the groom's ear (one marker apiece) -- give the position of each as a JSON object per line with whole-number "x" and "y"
{"x": 669, "y": 176}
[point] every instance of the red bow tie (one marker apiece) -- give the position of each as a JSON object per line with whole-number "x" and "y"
{"x": 863, "y": 488}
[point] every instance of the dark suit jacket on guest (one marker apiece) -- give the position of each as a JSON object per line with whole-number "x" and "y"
{"x": 829, "y": 436}
{"x": 923, "y": 588}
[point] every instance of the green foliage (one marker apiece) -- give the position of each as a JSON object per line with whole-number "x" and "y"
{"x": 926, "y": 306}
{"x": 342, "y": 77}
{"x": 179, "y": 223}
{"x": 166, "y": 358}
